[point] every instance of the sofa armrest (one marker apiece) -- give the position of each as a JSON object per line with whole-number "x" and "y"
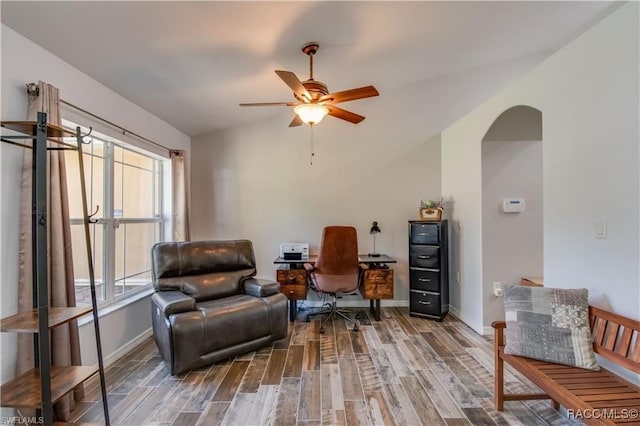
{"x": 173, "y": 302}
{"x": 261, "y": 288}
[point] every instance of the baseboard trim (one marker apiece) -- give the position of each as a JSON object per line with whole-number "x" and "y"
{"x": 126, "y": 348}
{"x": 486, "y": 331}
{"x": 456, "y": 313}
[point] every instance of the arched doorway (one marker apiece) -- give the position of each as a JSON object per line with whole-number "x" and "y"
{"x": 512, "y": 242}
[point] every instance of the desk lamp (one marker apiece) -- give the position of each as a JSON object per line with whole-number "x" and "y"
{"x": 375, "y": 229}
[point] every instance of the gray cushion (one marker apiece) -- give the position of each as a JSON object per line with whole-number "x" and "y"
{"x": 549, "y": 324}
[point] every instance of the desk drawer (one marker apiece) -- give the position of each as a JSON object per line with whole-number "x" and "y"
{"x": 295, "y": 292}
{"x": 377, "y": 284}
{"x": 293, "y": 283}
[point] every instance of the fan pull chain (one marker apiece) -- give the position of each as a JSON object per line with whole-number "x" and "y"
{"x": 312, "y": 152}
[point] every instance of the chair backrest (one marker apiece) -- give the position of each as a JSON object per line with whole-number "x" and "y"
{"x": 203, "y": 269}
{"x": 336, "y": 268}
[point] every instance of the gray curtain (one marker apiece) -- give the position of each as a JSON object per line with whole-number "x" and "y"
{"x": 65, "y": 343}
{"x": 179, "y": 196}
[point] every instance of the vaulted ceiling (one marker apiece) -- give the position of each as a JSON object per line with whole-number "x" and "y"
{"x": 192, "y": 63}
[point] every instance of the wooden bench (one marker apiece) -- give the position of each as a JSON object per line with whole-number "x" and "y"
{"x": 593, "y": 397}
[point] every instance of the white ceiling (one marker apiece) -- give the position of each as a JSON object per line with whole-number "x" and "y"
{"x": 191, "y": 63}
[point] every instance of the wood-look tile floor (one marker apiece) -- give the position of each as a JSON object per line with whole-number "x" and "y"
{"x": 398, "y": 371}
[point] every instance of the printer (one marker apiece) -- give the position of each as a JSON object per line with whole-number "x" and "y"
{"x": 294, "y": 251}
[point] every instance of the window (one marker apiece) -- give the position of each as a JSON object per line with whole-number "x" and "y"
{"x": 125, "y": 185}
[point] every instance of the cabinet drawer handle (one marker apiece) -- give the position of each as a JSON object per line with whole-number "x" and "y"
{"x": 424, "y": 257}
{"x": 423, "y": 233}
{"x": 292, "y": 279}
{"x": 423, "y": 303}
{"x": 424, "y": 280}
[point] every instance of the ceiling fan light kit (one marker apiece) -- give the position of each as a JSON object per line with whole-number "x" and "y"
{"x": 314, "y": 101}
{"x": 311, "y": 113}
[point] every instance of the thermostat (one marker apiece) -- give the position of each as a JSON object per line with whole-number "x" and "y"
{"x": 513, "y": 205}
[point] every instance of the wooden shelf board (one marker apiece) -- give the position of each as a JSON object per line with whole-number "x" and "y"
{"x": 24, "y": 390}
{"x": 29, "y": 128}
{"x": 27, "y": 321}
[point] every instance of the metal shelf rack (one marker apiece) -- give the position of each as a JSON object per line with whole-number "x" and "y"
{"x": 43, "y": 385}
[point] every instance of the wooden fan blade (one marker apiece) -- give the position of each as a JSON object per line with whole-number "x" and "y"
{"x": 294, "y": 83}
{"x": 297, "y": 121}
{"x": 270, "y": 104}
{"x": 343, "y": 114}
{"x": 350, "y": 95}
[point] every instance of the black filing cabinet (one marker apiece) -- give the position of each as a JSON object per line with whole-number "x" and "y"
{"x": 428, "y": 269}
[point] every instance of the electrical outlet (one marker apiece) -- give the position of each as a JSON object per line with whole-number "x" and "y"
{"x": 498, "y": 289}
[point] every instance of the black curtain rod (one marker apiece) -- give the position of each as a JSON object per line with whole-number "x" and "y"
{"x": 33, "y": 87}
{"x": 104, "y": 120}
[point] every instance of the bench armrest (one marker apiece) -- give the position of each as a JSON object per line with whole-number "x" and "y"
{"x": 260, "y": 288}
{"x": 173, "y": 302}
{"x": 499, "y": 324}
{"x": 498, "y": 333}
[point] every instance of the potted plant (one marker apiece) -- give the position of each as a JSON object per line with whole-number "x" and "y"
{"x": 431, "y": 210}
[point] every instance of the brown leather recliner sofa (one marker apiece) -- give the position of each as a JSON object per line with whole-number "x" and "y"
{"x": 207, "y": 305}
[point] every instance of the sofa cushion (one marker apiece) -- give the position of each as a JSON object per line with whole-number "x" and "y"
{"x": 234, "y": 320}
{"x": 549, "y": 324}
{"x": 179, "y": 259}
{"x": 214, "y": 285}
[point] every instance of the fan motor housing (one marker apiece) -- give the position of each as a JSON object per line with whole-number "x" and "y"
{"x": 316, "y": 89}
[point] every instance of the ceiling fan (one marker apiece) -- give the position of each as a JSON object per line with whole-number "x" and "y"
{"x": 314, "y": 101}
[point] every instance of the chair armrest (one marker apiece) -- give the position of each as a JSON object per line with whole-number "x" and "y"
{"x": 173, "y": 302}
{"x": 309, "y": 267}
{"x": 261, "y": 288}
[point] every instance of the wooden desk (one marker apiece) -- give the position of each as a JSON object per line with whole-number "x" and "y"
{"x": 376, "y": 284}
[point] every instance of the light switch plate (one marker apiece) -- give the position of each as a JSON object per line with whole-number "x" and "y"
{"x": 601, "y": 229}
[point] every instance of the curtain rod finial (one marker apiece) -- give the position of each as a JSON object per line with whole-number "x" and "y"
{"x": 32, "y": 88}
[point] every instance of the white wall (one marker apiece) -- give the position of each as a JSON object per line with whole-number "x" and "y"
{"x": 512, "y": 242}
{"x": 256, "y": 182}
{"x": 23, "y": 62}
{"x": 588, "y": 95}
